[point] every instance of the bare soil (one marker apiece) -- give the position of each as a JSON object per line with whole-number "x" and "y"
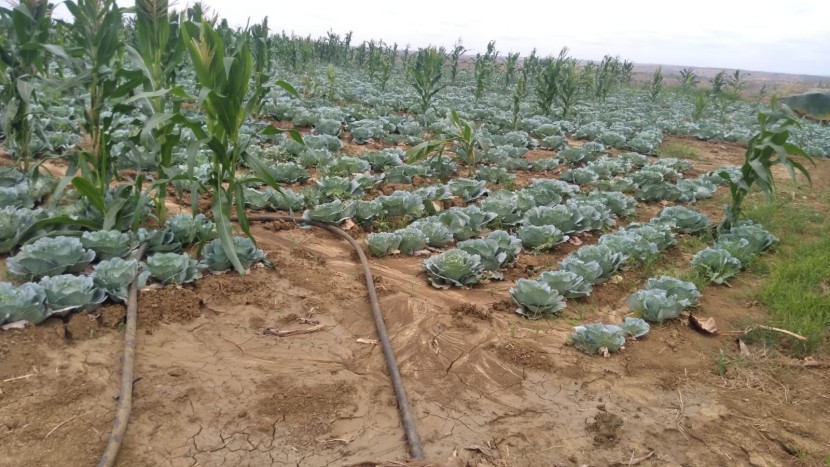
{"x": 484, "y": 384}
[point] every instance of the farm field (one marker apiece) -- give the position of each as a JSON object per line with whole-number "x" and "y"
{"x": 547, "y": 239}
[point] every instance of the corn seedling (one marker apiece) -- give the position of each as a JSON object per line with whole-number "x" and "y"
{"x": 770, "y": 146}
{"x": 462, "y": 138}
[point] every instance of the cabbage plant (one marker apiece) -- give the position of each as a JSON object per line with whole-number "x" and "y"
{"x": 561, "y": 216}
{"x": 590, "y": 271}
{"x": 635, "y": 327}
{"x": 159, "y": 241}
{"x": 334, "y": 212}
{"x": 637, "y": 247}
{"x": 173, "y": 268}
{"x": 13, "y": 224}
{"x": 478, "y": 221}
{"x": 287, "y": 200}
{"x": 593, "y": 214}
{"x": 655, "y": 305}
{"x": 189, "y": 229}
{"x": 685, "y": 220}
{"x": 331, "y": 188}
{"x": 693, "y": 190}
{"x": 366, "y": 211}
{"x": 288, "y": 172}
{"x": 505, "y": 205}
{"x": 716, "y": 265}
{"x": 567, "y": 283}
{"x": 536, "y": 299}
{"x": 438, "y": 235}
{"x": 559, "y": 187}
{"x": 619, "y": 204}
{"x": 598, "y": 338}
{"x": 467, "y": 189}
{"x": 215, "y": 258}
{"x": 492, "y": 258}
{"x": 412, "y": 240}
{"x": 108, "y": 244}
{"x": 495, "y": 175}
{"x": 760, "y": 240}
{"x": 684, "y": 292}
{"x": 25, "y": 302}
{"x": 379, "y": 161}
{"x": 50, "y": 256}
{"x": 68, "y": 292}
{"x": 115, "y": 275}
{"x": 658, "y": 233}
{"x": 383, "y": 243}
{"x": 346, "y": 166}
{"x": 608, "y": 259}
{"x": 454, "y": 268}
{"x": 403, "y": 203}
{"x": 507, "y": 243}
{"x": 540, "y": 237}
{"x": 580, "y": 176}
{"x": 738, "y": 247}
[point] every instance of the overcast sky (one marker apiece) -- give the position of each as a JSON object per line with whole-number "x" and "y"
{"x": 787, "y": 37}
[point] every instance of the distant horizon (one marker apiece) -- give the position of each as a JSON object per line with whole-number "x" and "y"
{"x": 722, "y": 35}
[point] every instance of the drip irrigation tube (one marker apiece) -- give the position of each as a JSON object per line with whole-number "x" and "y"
{"x": 407, "y": 418}
{"x": 125, "y": 394}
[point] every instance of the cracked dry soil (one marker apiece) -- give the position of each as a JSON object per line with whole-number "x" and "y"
{"x": 214, "y": 391}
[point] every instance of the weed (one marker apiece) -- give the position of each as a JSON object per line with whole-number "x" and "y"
{"x": 795, "y": 286}
{"x": 679, "y": 150}
{"x": 796, "y": 294}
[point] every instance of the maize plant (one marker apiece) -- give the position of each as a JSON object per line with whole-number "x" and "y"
{"x": 426, "y": 75}
{"x": 27, "y": 26}
{"x": 770, "y": 146}
{"x": 463, "y": 140}
{"x": 483, "y": 68}
{"x": 457, "y": 51}
{"x": 157, "y": 51}
{"x": 224, "y": 77}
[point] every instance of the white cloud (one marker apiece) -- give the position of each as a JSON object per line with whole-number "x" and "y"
{"x": 791, "y": 37}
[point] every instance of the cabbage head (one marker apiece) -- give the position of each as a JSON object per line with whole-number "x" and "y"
{"x": 50, "y": 256}
{"x": 716, "y": 265}
{"x": 655, "y": 305}
{"x": 217, "y": 260}
{"x": 68, "y": 292}
{"x": 540, "y": 237}
{"x": 598, "y": 338}
{"x": 536, "y": 299}
{"x": 26, "y": 302}
{"x": 454, "y": 268}
{"x": 383, "y": 243}
{"x": 173, "y": 268}
{"x": 334, "y": 212}
{"x": 108, "y": 244}
{"x": 438, "y": 235}
{"x": 412, "y": 240}
{"x": 685, "y": 220}
{"x": 685, "y": 292}
{"x": 566, "y": 283}
{"x": 115, "y": 276}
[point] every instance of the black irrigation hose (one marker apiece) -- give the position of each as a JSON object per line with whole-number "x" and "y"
{"x": 408, "y": 420}
{"x": 125, "y": 394}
